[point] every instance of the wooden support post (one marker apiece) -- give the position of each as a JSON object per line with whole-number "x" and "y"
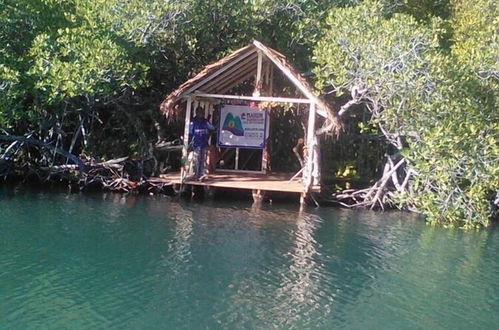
{"x": 236, "y": 165}
{"x": 188, "y": 111}
{"x": 303, "y": 198}
{"x": 207, "y": 114}
{"x": 209, "y": 191}
{"x": 258, "y": 80}
{"x": 258, "y": 195}
{"x": 176, "y": 188}
{"x": 265, "y": 153}
{"x": 211, "y": 109}
{"x": 265, "y": 160}
{"x": 310, "y": 147}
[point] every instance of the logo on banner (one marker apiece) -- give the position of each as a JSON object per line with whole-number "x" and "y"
{"x": 242, "y": 126}
{"x": 233, "y": 124}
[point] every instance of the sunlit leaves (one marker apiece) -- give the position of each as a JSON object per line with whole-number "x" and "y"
{"x": 422, "y": 96}
{"x": 476, "y": 36}
{"x": 78, "y": 61}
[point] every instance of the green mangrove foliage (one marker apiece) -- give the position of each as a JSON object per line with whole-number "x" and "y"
{"x": 437, "y": 107}
{"x": 98, "y": 70}
{"x": 87, "y": 77}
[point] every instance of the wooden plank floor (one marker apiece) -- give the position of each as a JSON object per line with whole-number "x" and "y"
{"x": 265, "y": 182}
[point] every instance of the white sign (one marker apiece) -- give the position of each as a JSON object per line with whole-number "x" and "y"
{"x": 242, "y": 126}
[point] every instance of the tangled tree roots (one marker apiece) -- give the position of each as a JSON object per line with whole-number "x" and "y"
{"x": 121, "y": 174}
{"x": 395, "y": 180}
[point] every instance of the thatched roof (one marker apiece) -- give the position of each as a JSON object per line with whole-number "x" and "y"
{"x": 221, "y": 76}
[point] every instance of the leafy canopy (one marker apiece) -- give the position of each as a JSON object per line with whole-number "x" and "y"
{"x": 432, "y": 105}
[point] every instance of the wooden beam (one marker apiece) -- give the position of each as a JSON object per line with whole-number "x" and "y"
{"x": 220, "y": 71}
{"x": 267, "y": 77}
{"x": 235, "y": 70}
{"x": 223, "y": 85}
{"x": 253, "y": 98}
{"x": 259, "y": 99}
{"x": 234, "y": 83}
{"x": 290, "y": 76}
{"x": 271, "y": 80}
{"x": 286, "y": 72}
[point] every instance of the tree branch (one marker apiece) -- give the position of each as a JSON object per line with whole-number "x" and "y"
{"x": 41, "y": 144}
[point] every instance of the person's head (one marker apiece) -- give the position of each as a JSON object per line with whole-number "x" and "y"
{"x": 199, "y": 112}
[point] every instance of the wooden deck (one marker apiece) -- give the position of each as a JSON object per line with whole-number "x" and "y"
{"x": 249, "y": 181}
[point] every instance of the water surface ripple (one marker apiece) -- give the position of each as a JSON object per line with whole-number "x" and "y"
{"x": 114, "y": 262}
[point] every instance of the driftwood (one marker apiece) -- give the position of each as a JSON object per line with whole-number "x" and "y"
{"x": 113, "y": 163}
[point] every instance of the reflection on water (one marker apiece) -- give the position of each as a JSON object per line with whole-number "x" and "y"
{"x": 115, "y": 261}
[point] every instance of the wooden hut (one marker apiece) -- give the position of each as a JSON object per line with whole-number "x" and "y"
{"x": 216, "y": 87}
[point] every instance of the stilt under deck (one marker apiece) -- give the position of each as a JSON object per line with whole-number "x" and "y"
{"x": 277, "y": 182}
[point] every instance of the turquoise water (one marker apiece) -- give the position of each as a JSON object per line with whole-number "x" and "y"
{"x": 110, "y": 261}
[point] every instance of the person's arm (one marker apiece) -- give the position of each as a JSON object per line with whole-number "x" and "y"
{"x": 208, "y": 124}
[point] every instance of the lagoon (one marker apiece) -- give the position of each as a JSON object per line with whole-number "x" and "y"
{"x": 89, "y": 261}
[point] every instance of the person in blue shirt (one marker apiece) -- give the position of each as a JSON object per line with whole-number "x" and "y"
{"x": 199, "y": 133}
